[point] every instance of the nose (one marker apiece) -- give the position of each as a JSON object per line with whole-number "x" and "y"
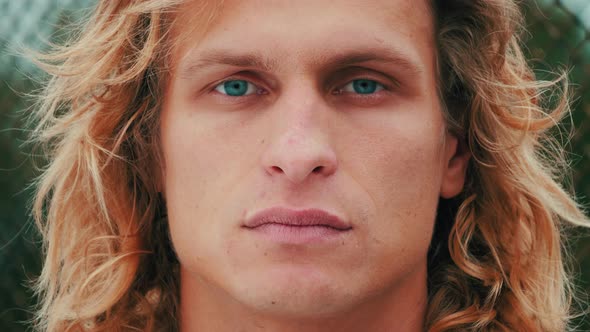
{"x": 297, "y": 157}
{"x": 300, "y": 147}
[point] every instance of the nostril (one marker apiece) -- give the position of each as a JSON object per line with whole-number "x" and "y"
{"x": 318, "y": 169}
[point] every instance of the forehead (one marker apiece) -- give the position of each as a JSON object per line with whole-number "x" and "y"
{"x": 294, "y": 35}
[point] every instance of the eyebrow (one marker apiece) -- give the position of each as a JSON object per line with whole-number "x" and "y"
{"x": 226, "y": 57}
{"x": 222, "y": 57}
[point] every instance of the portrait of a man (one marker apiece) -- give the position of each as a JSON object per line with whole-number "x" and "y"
{"x": 301, "y": 166}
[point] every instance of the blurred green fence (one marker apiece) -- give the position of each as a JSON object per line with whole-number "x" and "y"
{"x": 559, "y": 36}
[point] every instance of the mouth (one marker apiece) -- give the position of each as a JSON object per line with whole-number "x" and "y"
{"x": 297, "y": 218}
{"x": 288, "y": 226}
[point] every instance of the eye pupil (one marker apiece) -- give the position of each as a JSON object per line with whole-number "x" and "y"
{"x": 364, "y": 86}
{"x": 236, "y": 87}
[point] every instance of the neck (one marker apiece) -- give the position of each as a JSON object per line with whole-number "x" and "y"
{"x": 205, "y": 307}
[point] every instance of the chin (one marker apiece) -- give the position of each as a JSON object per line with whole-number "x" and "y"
{"x": 293, "y": 292}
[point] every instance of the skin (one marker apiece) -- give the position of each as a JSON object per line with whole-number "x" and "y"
{"x": 307, "y": 139}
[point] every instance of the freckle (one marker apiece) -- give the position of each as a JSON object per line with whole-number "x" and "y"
{"x": 265, "y": 253}
{"x": 273, "y": 302}
{"x": 262, "y": 141}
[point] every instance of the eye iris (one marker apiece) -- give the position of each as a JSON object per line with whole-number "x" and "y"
{"x": 236, "y": 87}
{"x": 364, "y": 86}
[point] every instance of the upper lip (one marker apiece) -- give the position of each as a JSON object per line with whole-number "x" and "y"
{"x": 307, "y": 217}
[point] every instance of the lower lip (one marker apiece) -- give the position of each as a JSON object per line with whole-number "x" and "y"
{"x": 290, "y": 234}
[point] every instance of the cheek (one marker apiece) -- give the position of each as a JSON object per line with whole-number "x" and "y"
{"x": 399, "y": 166}
{"x": 207, "y": 163}
{"x": 400, "y": 161}
{"x": 199, "y": 149}
{"x": 192, "y": 163}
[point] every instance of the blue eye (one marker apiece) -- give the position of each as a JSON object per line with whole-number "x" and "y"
{"x": 236, "y": 88}
{"x": 363, "y": 86}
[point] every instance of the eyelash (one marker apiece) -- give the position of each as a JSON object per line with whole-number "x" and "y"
{"x": 260, "y": 91}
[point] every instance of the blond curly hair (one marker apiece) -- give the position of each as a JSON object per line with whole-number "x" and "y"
{"x": 497, "y": 260}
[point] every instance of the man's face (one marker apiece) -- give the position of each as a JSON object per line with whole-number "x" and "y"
{"x": 327, "y": 105}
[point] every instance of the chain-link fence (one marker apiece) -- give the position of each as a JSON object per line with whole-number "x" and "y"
{"x": 31, "y": 23}
{"x": 559, "y": 36}
{"x": 28, "y": 23}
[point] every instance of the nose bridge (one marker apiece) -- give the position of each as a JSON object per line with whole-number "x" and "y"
{"x": 301, "y": 103}
{"x": 299, "y": 145}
